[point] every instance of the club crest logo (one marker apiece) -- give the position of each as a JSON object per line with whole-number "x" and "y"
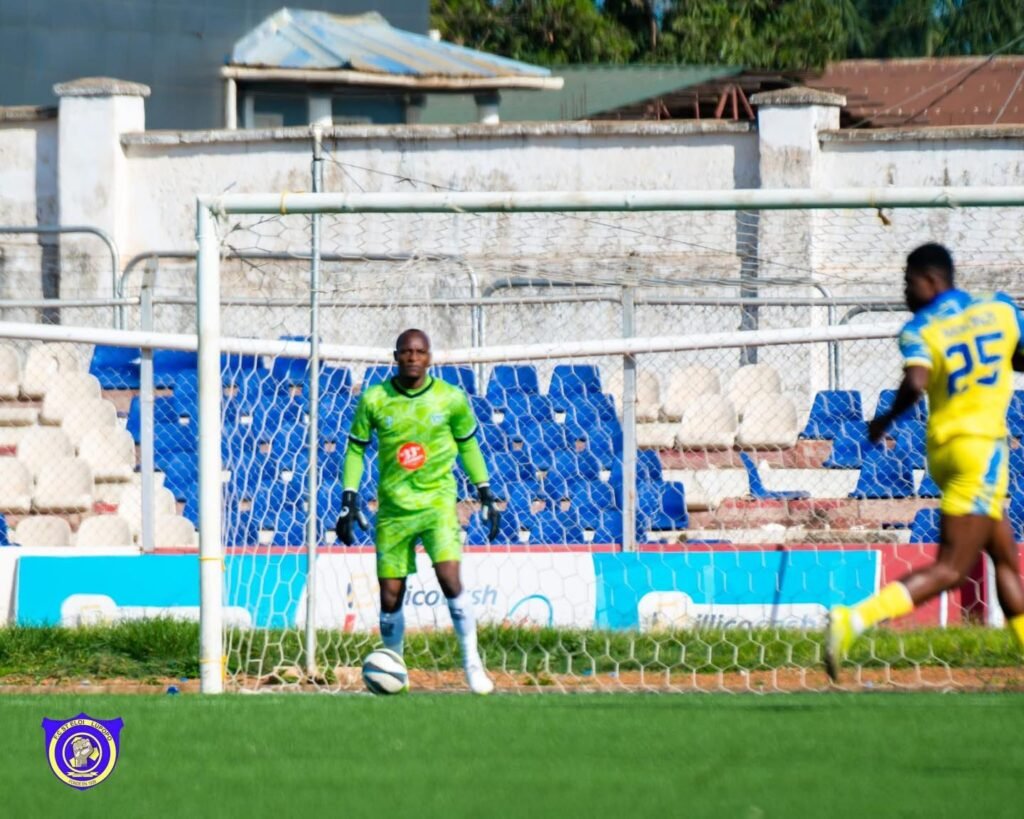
{"x": 82, "y": 751}
{"x": 412, "y": 456}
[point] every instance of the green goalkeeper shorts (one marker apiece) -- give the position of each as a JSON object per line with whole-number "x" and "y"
{"x": 397, "y": 535}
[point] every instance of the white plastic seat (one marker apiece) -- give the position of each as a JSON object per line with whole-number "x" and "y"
{"x": 648, "y": 393}
{"x": 63, "y": 485}
{"x": 39, "y": 445}
{"x": 170, "y": 531}
{"x": 43, "y": 362}
{"x": 769, "y": 421}
{"x": 15, "y": 486}
{"x": 752, "y": 382}
{"x": 66, "y": 390}
{"x": 42, "y": 530}
{"x": 709, "y": 423}
{"x": 10, "y": 372}
{"x": 656, "y": 435}
{"x": 685, "y": 385}
{"x": 110, "y": 453}
{"x": 104, "y": 530}
{"x": 130, "y": 507}
{"x": 88, "y": 415}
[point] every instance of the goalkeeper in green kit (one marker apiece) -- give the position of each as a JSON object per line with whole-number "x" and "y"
{"x": 422, "y": 424}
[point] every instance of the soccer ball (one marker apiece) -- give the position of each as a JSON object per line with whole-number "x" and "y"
{"x": 384, "y": 672}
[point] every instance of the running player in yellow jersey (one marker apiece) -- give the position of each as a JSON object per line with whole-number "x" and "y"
{"x": 962, "y": 349}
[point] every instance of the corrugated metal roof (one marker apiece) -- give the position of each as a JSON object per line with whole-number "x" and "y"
{"x": 927, "y": 91}
{"x": 299, "y": 39}
{"x": 589, "y": 91}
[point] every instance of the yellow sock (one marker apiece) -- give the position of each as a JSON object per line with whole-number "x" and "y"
{"x": 1016, "y": 625}
{"x": 891, "y": 602}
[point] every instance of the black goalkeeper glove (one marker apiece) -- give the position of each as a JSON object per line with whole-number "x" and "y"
{"x": 351, "y": 514}
{"x": 489, "y": 511}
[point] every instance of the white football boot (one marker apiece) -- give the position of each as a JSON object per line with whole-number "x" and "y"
{"x": 479, "y": 682}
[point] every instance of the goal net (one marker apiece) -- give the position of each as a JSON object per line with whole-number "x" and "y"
{"x": 672, "y": 393}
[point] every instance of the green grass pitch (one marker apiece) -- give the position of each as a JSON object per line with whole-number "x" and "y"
{"x": 599, "y": 755}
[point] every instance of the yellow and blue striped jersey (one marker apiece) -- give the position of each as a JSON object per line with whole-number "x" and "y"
{"x": 968, "y": 343}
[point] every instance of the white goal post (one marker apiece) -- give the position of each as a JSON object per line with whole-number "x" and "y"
{"x": 213, "y": 209}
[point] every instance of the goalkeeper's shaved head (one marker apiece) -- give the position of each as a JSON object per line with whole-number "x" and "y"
{"x": 407, "y": 336}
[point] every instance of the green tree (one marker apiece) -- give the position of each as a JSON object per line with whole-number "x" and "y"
{"x": 537, "y": 31}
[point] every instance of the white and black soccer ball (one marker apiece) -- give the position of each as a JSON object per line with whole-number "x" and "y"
{"x": 384, "y": 672}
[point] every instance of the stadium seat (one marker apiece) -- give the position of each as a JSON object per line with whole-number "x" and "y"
{"x": 591, "y": 495}
{"x": 103, "y": 530}
{"x": 165, "y": 411}
{"x": 15, "y": 486}
{"x": 909, "y": 440}
{"x": 648, "y": 466}
{"x": 883, "y": 474}
{"x": 235, "y": 366}
{"x": 918, "y": 412}
{"x": 493, "y": 438}
{"x": 580, "y": 466}
{"x": 65, "y": 390}
{"x": 768, "y": 422}
{"x": 656, "y": 435}
{"x": 130, "y": 507}
{"x": 525, "y": 405}
{"x": 5, "y": 538}
{"x": 548, "y": 528}
{"x": 673, "y": 504}
{"x": 685, "y": 385}
{"x": 848, "y": 446}
{"x": 10, "y": 372}
{"x": 40, "y": 445}
{"x": 116, "y": 368}
{"x": 557, "y": 436}
{"x": 648, "y": 393}
{"x": 514, "y": 378}
{"x": 525, "y": 498}
{"x": 333, "y": 380}
{"x": 42, "y": 530}
{"x": 173, "y": 531}
{"x": 709, "y": 423}
{"x": 608, "y": 529}
{"x": 288, "y": 526}
{"x": 523, "y": 430}
{"x": 831, "y": 408}
{"x": 88, "y": 415}
{"x": 928, "y": 488}
{"x": 509, "y": 469}
{"x": 757, "y": 489}
{"x": 186, "y": 392}
{"x": 377, "y": 374}
{"x": 181, "y": 473}
{"x": 925, "y": 526}
{"x": 573, "y": 379}
{"x": 459, "y": 375}
{"x": 1015, "y": 512}
{"x": 750, "y": 384}
{"x": 555, "y": 489}
{"x": 63, "y": 485}
{"x": 110, "y": 453}
{"x": 482, "y": 409}
{"x": 175, "y": 437}
{"x": 43, "y": 362}
{"x": 168, "y": 363}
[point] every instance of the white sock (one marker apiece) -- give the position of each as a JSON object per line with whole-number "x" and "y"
{"x": 461, "y": 609}
{"x": 392, "y": 630}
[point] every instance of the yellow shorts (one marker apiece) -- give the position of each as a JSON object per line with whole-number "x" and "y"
{"x": 973, "y": 474}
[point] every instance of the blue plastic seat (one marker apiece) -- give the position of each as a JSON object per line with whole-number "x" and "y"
{"x": 378, "y": 373}
{"x": 1015, "y": 414}
{"x": 909, "y": 439}
{"x": 116, "y": 368}
{"x": 848, "y": 446}
{"x": 482, "y": 409}
{"x": 333, "y": 381}
{"x": 165, "y": 411}
{"x": 757, "y": 487}
{"x": 509, "y": 469}
{"x": 555, "y": 437}
{"x": 548, "y": 528}
{"x": 459, "y": 375}
{"x": 570, "y": 379}
{"x": 527, "y": 405}
{"x": 579, "y": 466}
{"x": 917, "y": 412}
{"x": 609, "y": 528}
{"x": 175, "y": 437}
{"x": 648, "y": 465}
{"x": 673, "y": 505}
{"x": 928, "y": 488}
{"x": 5, "y": 539}
{"x": 1015, "y": 512}
{"x": 925, "y": 526}
{"x": 168, "y": 363}
{"x": 181, "y": 473}
{"x": 525, "y": 431}
{"x": 830, "y": 409}
{"x": 883, "y": 474}
{"x": 235, "y": 366}
{"x": 186, "y": 392}
{"x": 592, "y": 495}
{"x": 492, "y": 438}
{"x": 477, "y": 531}
{"x": 240, "y": 527}
{"x": 509, "y": 377}
{"x": 554, "y": 489}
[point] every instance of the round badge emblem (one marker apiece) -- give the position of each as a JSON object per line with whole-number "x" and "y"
{"x": 412, "y": 456}
{"x": 82, "y": 751}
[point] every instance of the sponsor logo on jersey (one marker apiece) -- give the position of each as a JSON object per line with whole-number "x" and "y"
{"x": 389, "y": 422}
{"x": 437, "y": 418}
{"x": 412, "y": 456}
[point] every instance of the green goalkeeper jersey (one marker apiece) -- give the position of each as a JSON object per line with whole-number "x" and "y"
{"x": 419, "y": 435}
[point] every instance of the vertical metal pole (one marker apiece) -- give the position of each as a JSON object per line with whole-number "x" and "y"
{"x": 628, "y": 426}
{"x": 146, "y": 406}
{"x": 211, "y": 561}
{"x": 747, "y": 250}
{"x": 313, "y": 373}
